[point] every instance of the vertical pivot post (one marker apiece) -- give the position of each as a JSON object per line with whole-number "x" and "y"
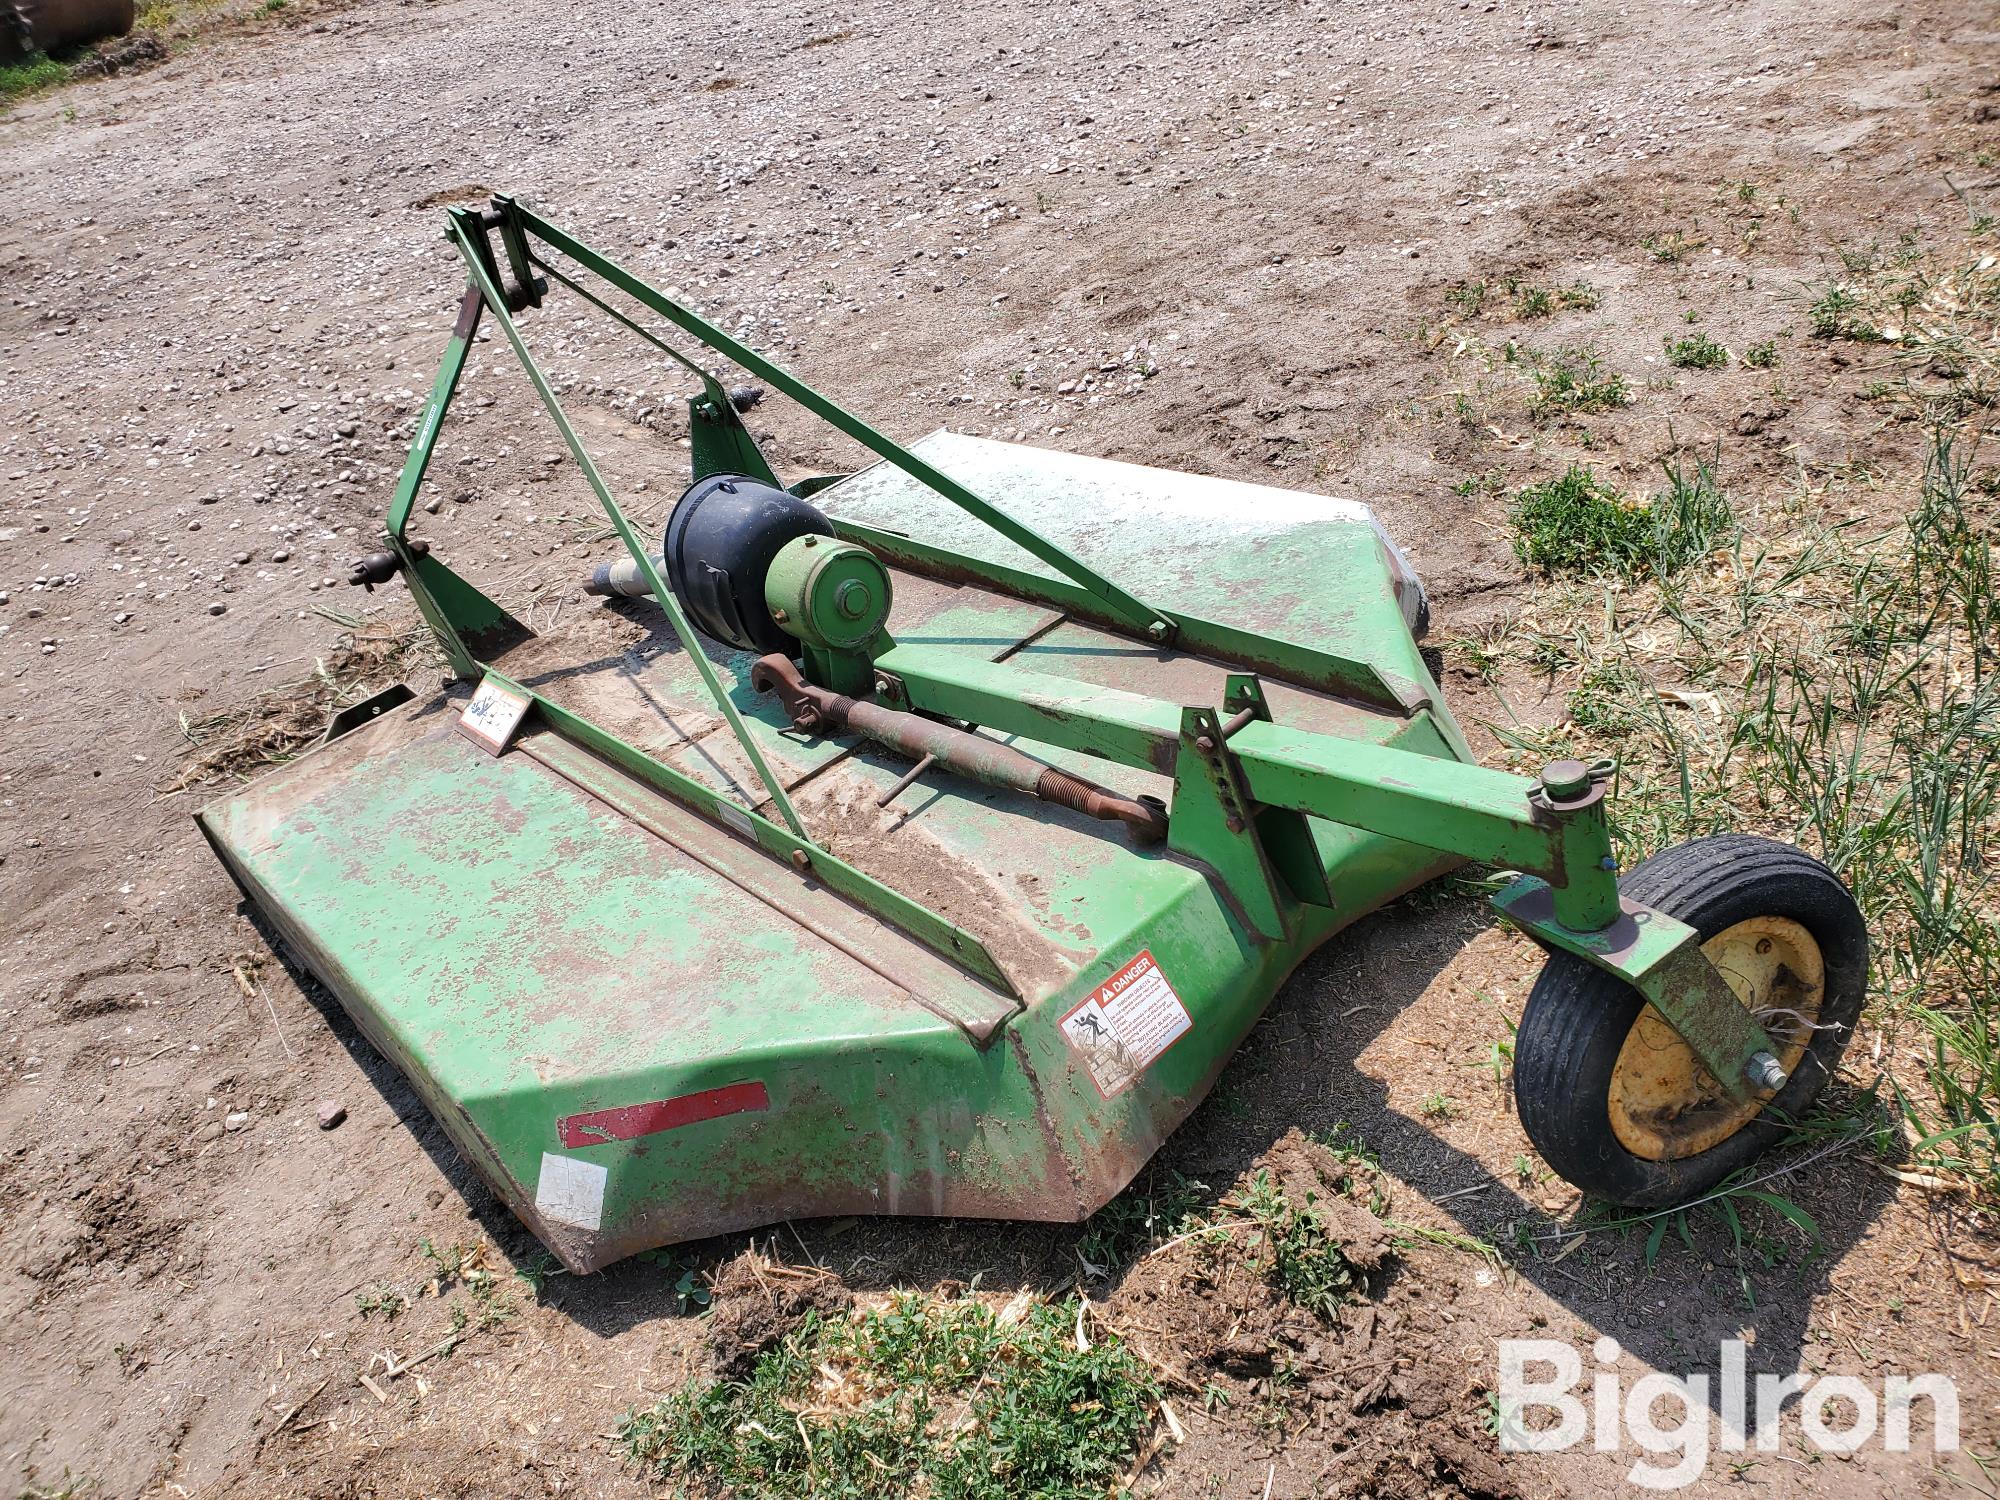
{"x": 1587, "y": 900}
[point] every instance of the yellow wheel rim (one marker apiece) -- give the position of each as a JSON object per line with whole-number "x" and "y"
{"x": 1664, "y": 1104}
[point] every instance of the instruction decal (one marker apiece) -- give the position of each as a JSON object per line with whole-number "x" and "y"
{"x": 1124, "y": 1026}
{"x": 492, "y": 716}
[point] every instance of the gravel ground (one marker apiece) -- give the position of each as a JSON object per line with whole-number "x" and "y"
{"x": 1212, "y": 238}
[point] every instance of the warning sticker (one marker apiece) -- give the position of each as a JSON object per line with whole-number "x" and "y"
{"x": 492, "y": 716}
{"x": 1123, "y": 1028}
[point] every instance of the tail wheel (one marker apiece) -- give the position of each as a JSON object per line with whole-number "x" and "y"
{"x": 1612, "y": 1097}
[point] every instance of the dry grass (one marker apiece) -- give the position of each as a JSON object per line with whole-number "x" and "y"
{"x": 283, "y": 721}
{"x": 1829, "y": 673}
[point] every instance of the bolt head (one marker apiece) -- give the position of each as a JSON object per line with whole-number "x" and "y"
{"x": 801, "y": 861}
{"x": 1157, "y": 630}
{"x": 1204, "y": 744}
{"x": 852, "y": 599}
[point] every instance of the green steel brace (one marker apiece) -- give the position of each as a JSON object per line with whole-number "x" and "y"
{"x": 1151, "y": 622}
{"x": 1228, "y": 786}
{"x": 1244, "y": 786}
{"x": 466, "y": 227}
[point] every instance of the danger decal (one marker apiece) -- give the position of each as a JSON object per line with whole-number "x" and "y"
{"x": 1123, "y": 1027}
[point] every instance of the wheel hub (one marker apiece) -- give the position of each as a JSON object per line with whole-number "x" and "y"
{"x": 1664, "y": 1104}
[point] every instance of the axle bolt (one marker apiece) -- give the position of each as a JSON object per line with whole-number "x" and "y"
{"x": 1204, "y": 744}
{"x": 1765, "y": 1072}
{"x": 1157, "y": 630}
{"x": 852, "y": 599}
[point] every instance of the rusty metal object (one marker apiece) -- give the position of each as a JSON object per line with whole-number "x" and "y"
{"x": 907, "y": 780}
{"x": 817, "y": 710}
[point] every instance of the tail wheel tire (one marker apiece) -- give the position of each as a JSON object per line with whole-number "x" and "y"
{"x": 1612, "y": 1097}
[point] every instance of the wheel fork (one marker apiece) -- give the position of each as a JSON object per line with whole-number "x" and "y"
{"x": 1660, "y": 956}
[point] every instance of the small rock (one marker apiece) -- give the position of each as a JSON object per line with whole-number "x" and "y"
{"x": 331, "y": 1113}
{"x": 283, "y": 554}
{"x": 237, "y": 1120}
{"x": 218, "y": 608}
{"x": 212, "y": 1131}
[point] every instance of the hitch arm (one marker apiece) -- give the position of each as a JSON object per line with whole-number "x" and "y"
{"x": 1553, "y": 827}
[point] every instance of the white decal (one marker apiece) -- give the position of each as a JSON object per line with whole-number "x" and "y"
{"x": 570, "y": 1191}
{"x": 492, "y": 716}
{"x": 1126, "y": 1024}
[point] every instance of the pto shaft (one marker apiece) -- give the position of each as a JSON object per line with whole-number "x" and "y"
{"x": 818, "y": 709}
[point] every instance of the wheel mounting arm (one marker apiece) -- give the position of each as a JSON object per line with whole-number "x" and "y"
{"x": 1661, "y": 958}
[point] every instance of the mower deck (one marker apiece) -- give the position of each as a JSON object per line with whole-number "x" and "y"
{"x": 642, "y": 1029}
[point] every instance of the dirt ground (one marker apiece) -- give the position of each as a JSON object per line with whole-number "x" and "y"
{"x": 222, "y": 292}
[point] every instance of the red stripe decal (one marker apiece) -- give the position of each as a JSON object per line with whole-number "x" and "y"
{"x": 630, "y": 1121}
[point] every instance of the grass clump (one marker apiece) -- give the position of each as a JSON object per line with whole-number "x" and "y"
{"x": 1299, "y": 1254}
{"x": 1762, "y": 356}
{"x": 1533, "y": 302}
{"x": 1524, "y": 300}
{"x": 1695, "y": 352}
{"x": 1164, "y": 1206}
{"x": 1835, "y": 314}
{"x": 1574, "y": 524}
{"x": 1671, "y": 248}
{"x": 946, "y": 1399}
{"x": 1574, "y": 380}
{"x": 381, "y": 1298}
{"x": 31, "y": 75}
{"x": 1577, "y": 524}
{"x": 1468, "y": 297}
